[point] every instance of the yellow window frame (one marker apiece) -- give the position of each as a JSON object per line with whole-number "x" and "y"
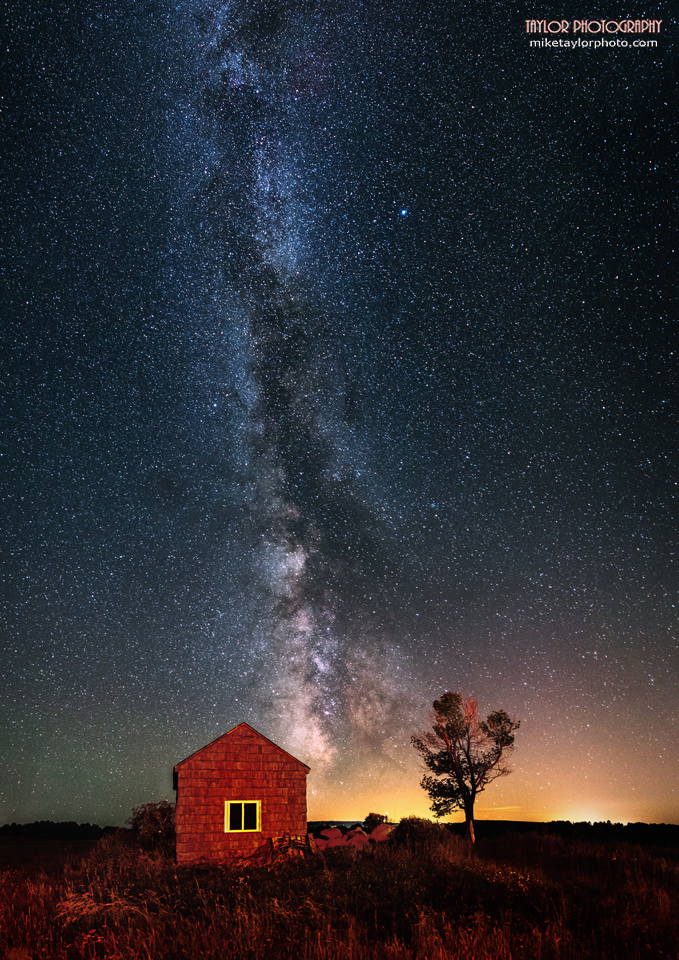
{"x": 228, "y": 804}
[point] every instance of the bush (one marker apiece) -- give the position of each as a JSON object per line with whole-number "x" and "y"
{"x": 374, "y": 820}
{"x": 153, "y": 826}
{"x": 418, "y": 831}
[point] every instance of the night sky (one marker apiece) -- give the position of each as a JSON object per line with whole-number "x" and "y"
{"x": 339, "y": 370}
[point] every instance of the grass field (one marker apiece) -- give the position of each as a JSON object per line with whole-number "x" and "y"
{"x": 518, "y": 896}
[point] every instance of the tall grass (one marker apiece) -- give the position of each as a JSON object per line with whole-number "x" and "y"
{"x": 518, "y": 897}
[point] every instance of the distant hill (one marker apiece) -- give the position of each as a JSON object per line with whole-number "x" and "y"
{"x": 648, "y": 834}
{"x": 654, "y": 834}
{"x": 49, "y": 830}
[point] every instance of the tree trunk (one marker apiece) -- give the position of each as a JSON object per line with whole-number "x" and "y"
{"x": 470, "y": 828}
{"x": 469, "y": 817}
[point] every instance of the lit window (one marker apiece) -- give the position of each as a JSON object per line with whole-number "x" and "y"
{"x": 242, "y": 816}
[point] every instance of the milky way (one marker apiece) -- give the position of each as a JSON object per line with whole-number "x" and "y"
{"x": 341, "y": 371}
{"x": 312, "y": 537}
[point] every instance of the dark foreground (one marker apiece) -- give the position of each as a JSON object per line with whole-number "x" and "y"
{"x": 517, "y": 896}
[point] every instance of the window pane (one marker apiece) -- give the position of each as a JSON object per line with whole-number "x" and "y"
{"x": 235, "y": 816}
{"x": 250, "y": 816}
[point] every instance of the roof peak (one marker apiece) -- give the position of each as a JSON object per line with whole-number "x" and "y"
{"x": 229, "y": 733}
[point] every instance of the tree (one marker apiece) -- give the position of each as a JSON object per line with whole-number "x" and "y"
{"x": 464, "y": 754}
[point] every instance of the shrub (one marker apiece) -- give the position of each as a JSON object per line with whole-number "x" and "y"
{"x": 374, "y": 820}
{"x": 418, "y": 831}
{"x": 153, "y": 826}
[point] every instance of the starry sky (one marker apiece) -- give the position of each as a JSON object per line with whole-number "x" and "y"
{"x": 339, "y": 369}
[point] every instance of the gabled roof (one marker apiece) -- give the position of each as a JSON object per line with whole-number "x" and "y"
{"x": 230, "y": 733}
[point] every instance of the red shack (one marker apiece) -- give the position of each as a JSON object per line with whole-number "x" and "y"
{"x": 234, "y": 794}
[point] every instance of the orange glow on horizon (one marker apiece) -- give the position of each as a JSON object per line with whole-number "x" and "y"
{"x": 509, "y": 799}
{"x": 402, "y": 802}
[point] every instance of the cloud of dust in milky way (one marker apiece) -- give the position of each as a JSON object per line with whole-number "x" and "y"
{"x": 314, "y": 543}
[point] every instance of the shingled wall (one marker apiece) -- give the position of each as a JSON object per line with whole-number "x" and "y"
{"x": 241, "y": 765}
